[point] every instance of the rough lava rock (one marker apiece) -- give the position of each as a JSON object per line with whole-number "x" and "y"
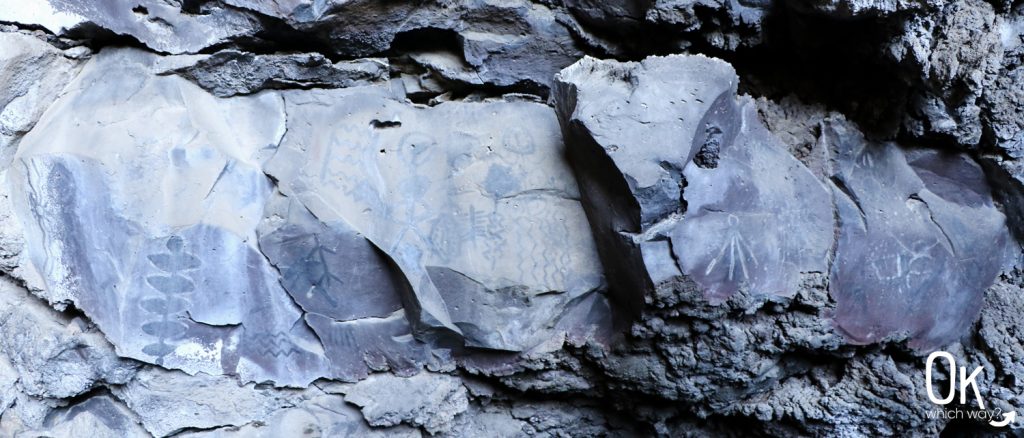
{"x": 427, "y": 400}
{"x": 230, "y": 73}
{"x": 742, "y": 213}
{"x": 54, "y": 357}
{"x": 495, "y": 41}
{"x": 155, "y": 395}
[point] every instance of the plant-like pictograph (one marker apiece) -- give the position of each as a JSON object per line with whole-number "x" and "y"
{"x": 174, "y": 287}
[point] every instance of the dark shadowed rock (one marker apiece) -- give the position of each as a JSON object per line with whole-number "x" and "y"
{"x": 102, "y": 415}
{"x": 731, "y": 209}
{"x": 699, "y": 213}
{"x": 499, "y": 43}
{"x": 733, "y": 24}
{"x": 329, "y": 270}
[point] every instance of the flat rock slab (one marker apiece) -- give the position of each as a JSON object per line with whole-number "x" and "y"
{"x": 681, "y": 178}
{"x": 147, "y": 204}
{"x": 758, "y": 219}
{"x": 482, "y": 218}
{"x": 920, "y": 240}
{"x": 145, "y": 220}
{"x": 682, "y": 181}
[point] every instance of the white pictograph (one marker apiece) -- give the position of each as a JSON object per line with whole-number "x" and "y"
{"x": 863, "y": 157}
{"x": 736, "y": 250}
{"x": 905, "y": 266}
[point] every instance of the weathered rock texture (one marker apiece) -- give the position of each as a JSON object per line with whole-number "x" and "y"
{"x": 507, "y": 218}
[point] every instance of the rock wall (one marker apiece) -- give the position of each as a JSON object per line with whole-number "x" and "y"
{"x": 509, "y": 218}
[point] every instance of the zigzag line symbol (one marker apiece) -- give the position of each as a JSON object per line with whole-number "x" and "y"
{"x": 274, "y": 344}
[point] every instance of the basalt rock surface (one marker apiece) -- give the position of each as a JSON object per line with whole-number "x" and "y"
{"x": 229, "y": 218}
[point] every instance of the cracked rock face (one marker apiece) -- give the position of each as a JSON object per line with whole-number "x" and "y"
{"x": 918, "y": 230}
{"x": 430, "y": 401}
{"x": 477, "y": 232}
{"x": 482, "y": 222}
{"x": 235, "y": 218}
{"x": 33, "y": 74}
{"x": 729, "y": 209}
{"x": 745, "y": 214}
{"x": 496, "y": 41}
{"x": 190, "y": 282}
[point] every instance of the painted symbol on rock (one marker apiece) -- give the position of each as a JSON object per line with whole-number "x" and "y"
{"x": 864, "y": 159}
{"x": 274, "y": 344}
{"x": 736, "y": 250}
{"x": 348, "y": 339}
{"x": 173, "y": 287}
{"x": 904, "y": 267}
{"x": 518, "y": 140}
{"x": 315, "y": 263}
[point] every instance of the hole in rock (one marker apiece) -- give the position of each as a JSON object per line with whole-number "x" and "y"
{"x": 384, "y": 124}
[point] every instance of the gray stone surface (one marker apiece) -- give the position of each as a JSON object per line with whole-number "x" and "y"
{"x": 33, "y": 74}
{"x": 425, "y": 400}
{"x": 725, "y": 204}
{"x": 188, "y": 271}
{"x": 919, "y": 240}
{"x": 911, "y": 263}
{"x": 364, "y": 218}
{"x": 323, "y": 415}
{"x": 483, "y": 221}
{"x": 102, "y": 416}
{"x": 496, "y": 41}
{"x": 230, "y": 72}
{"x": 199, "y": 266}
{"x": 169, "y": 402}
{"x": 40, "y": 13}
{"x": 910, "y": 225}
{"x": 52, "y": 355}
{"x": 163, "y": 26}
